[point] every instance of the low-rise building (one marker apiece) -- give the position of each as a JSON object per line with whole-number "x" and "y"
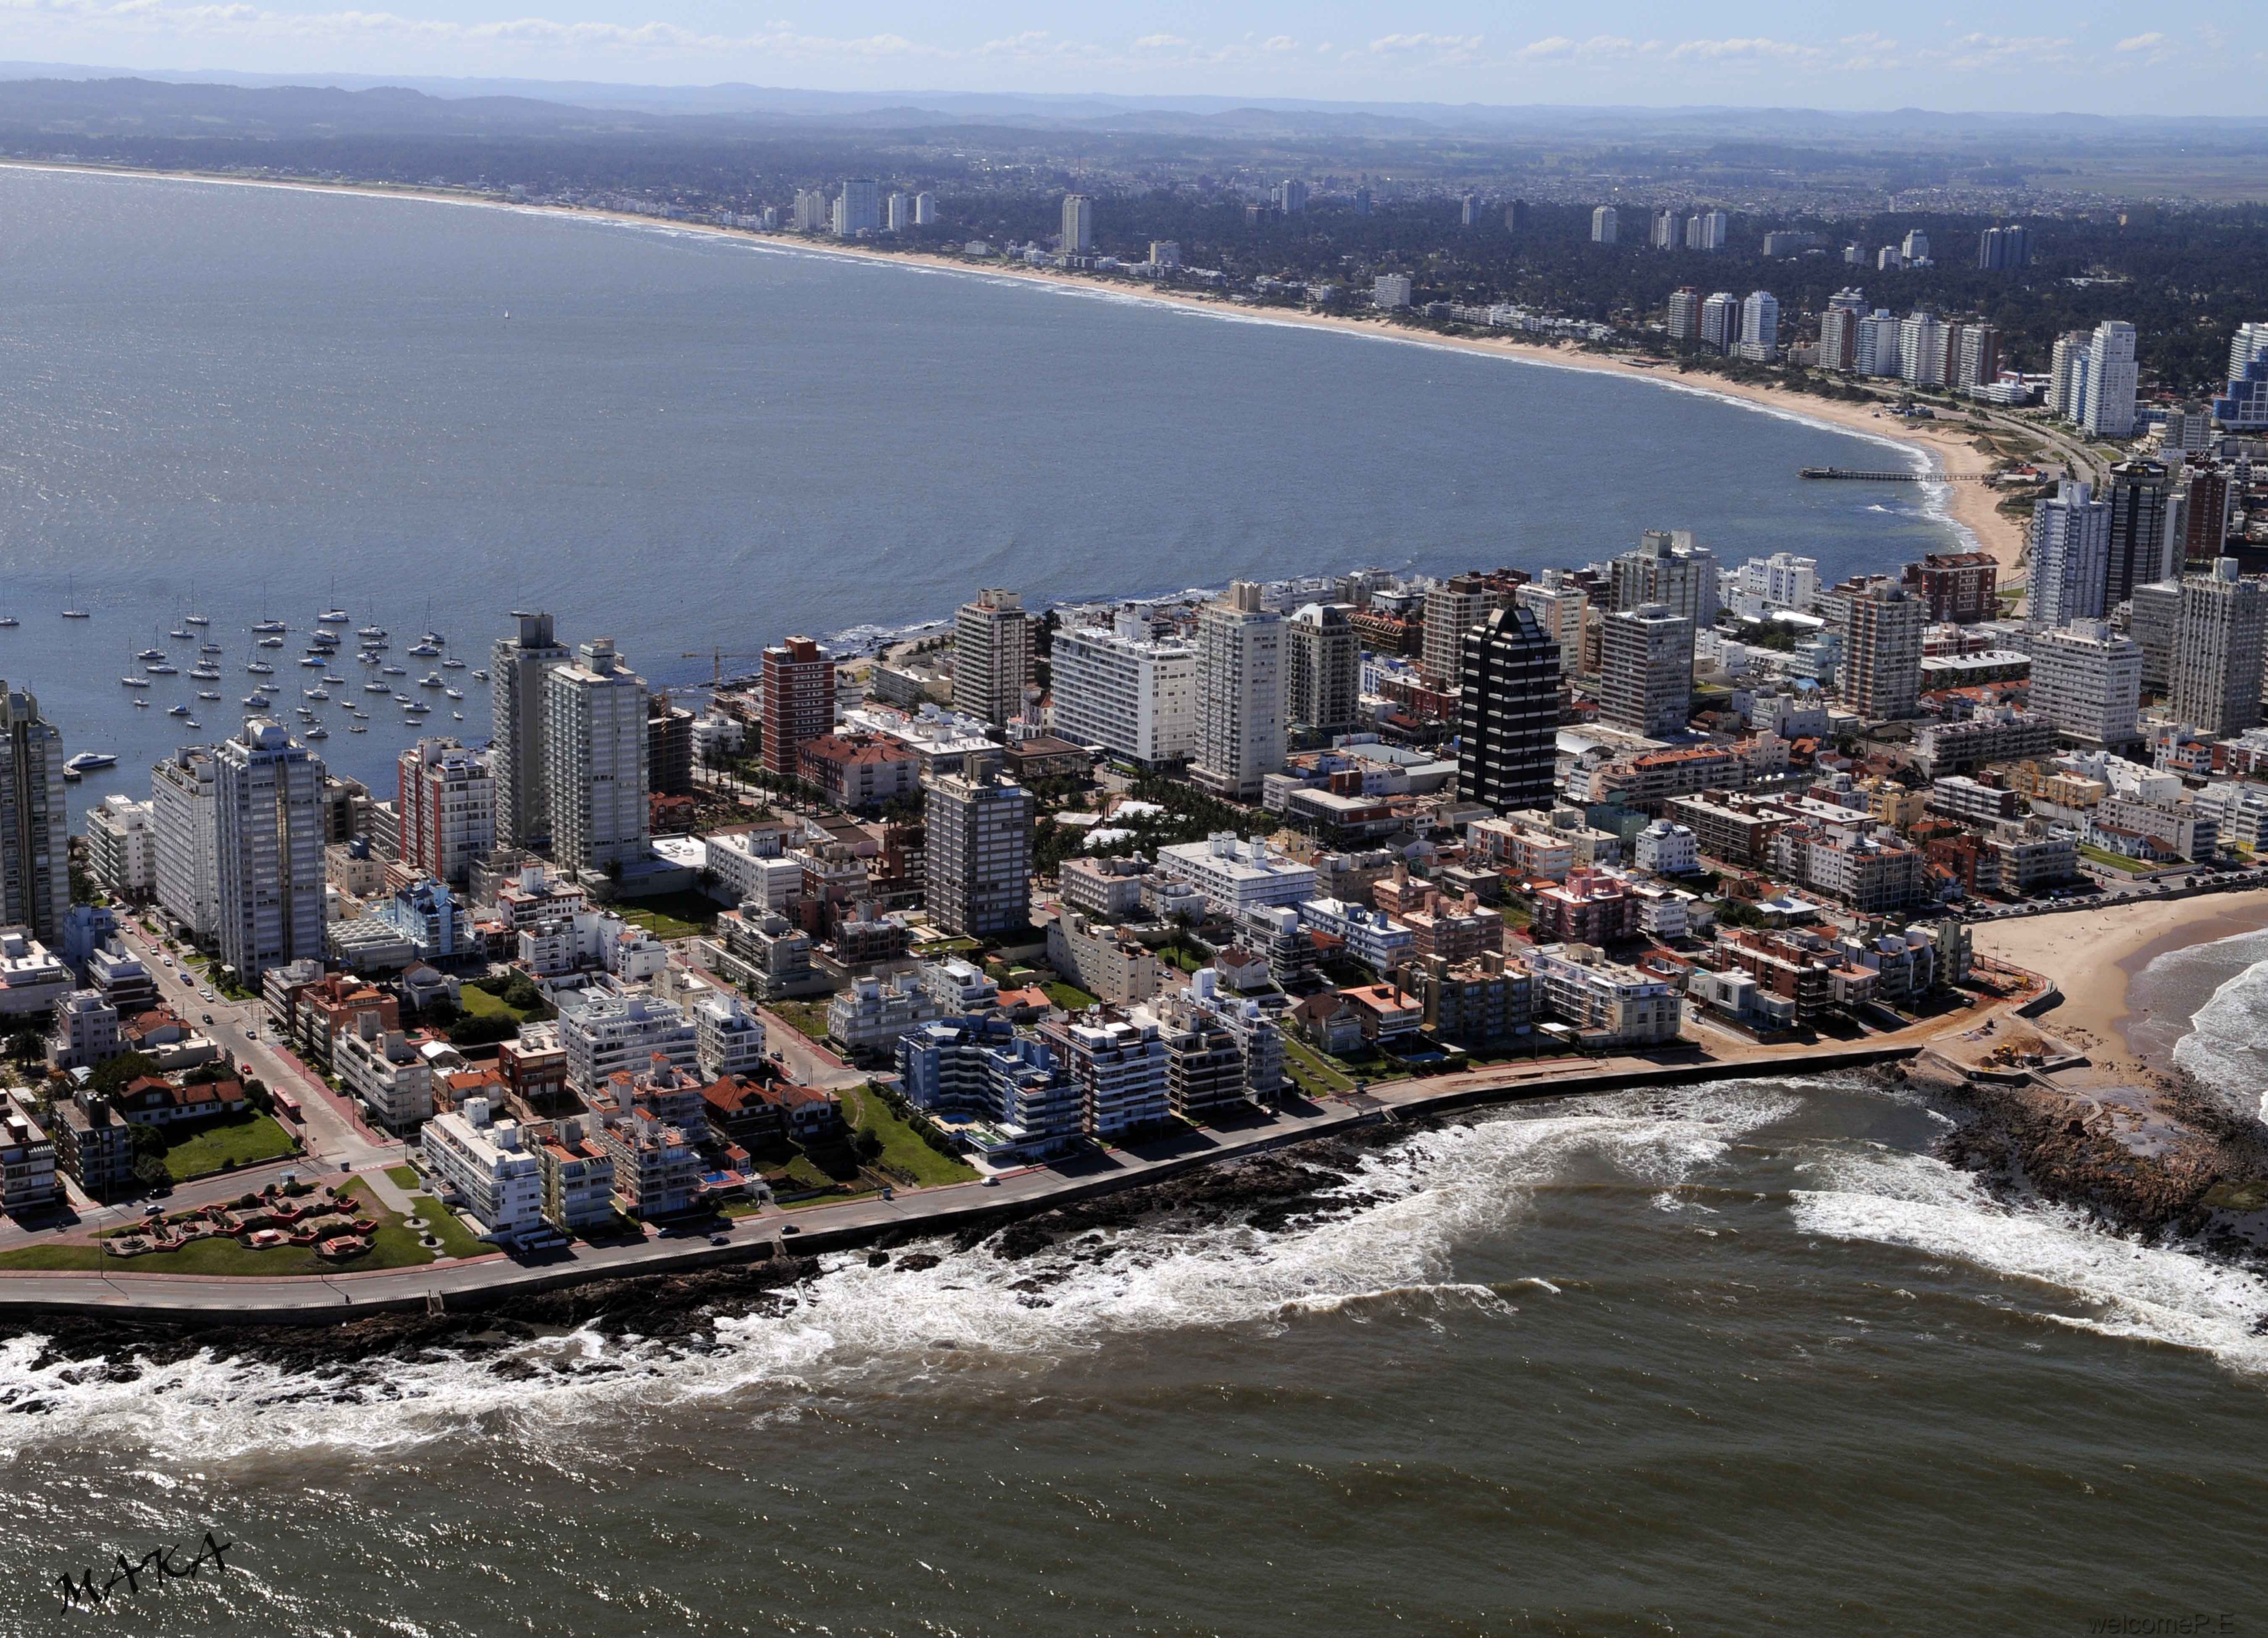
{"x": 1101, "y": 961}
{"x": 657, "y": 1170}
{"x": 1120, "y": 1066}
{"x": 1486, "y": 1004}
{"x": 868, "y": 1019}
{"x": 606, "y": 1030}
{"x": 1589, "y": 907}
{"x": 1369, "y": 936}
{"x": 32, "y": 978}
{"x": 727, "y": 1038}
{"x": 1008, "y": 1097}
{"x": 387, "y": 1072}
{"x": 1668, "y": 849}
{"x": 1606, "y": 1003}
{"x": 1107, "y": 890}
{"x": 86, "y": 1032}
{"x": 1232, "y": 874}
{"x": 578, "y": 1176}
{"x": 483, "y": 1166}
{"x": 27, "y": 1157}
{"x": 94, "y": 1145}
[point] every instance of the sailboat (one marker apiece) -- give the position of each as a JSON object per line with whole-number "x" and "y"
{"x": 194, "y": 619}
{"x": 70, "y": 613}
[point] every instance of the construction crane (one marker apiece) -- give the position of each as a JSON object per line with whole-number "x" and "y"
{"x": 717, "y": 657}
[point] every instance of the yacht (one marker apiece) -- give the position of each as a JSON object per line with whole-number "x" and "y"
{"x": 197, "y": 620}
{"x": 319, "y": 732}
{"x": 306, "y": 712}
{"x": 77, "y": 614}
{"x": 454, "y": 693}
{"x": 452, "y": 665}
{"x": 375, "y": 687}
{"x": 394, "y": 671}
{"x": 87, "y": 762}
{"x": 314, "y": 693}
{"x": 332, "y": 617}
{"x": 150, "y": 654}
{"x": 177, "y": 634}
{"x": 160, "y": 668}
{"x": 431, "y": 679}
{"x": 177, "y": 710}
{"x": 260, "y": 668}
{"x": 140, "y": 702}
{"x": 367, "y": 658}
{"x": 433, "y": 637}
{"x": 425, "y": 651}
{"x": 271, "y": 625}
{"x": 191, "y": 722}
{"x": 479, "y": 676}
{"x": 331, "y": 682}
{"x": 207, "y": 694}
{"x": 209, "y": 648}
{"x": 135, "y": 681}
{"x": 371, "y": 632}
{"x": 356, "y": 727}
{"x": 9, "y": 620}
{"x": 71, "y": 597}
{"x": 204, "y": 670}
{"x": 256, "y": 701}
{"x": 271, "y": 642}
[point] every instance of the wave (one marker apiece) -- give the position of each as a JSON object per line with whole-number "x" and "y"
{"x": 2119, "y": 1287}
{"x": 1386, "y": 1251}
{"x": 2226, "y": 1046}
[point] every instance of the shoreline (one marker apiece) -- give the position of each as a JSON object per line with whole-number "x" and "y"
{"x": 2096, "y": 966}
{"x": 1966, "y": 509}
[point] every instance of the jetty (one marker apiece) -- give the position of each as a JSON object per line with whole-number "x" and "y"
{"x": 1846, "y": 474}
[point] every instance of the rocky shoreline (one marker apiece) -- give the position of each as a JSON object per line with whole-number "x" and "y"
{"x": 1269, "y": 1191}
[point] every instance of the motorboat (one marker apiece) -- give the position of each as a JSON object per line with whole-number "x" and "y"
{"x": 356, "y": 710}
{"x": 256, "y": 701}
{"x": 271, "y": 642}
{"x": 356, "y": 727}
{"x": 316, "y": 660}
{"x": 394, "y": 671}
{"x": 367, "y": 658}
{"x": 271, "y": 625}
{"x": 135, "y": 681}
{"x": 77, "y": 614}
{"x": 140, "y": 704}
{"x": 177, "y": 710}
{"x": 9, "y": 620}
{"x": 333, "y": 681}
{"x": 314, "y": 693}
{"x": 177, "y": 634}
{"x": 403, "y": 699}
{"x": 150, "y": 654}
{"x": 479, "y": 676}
{"x": 260, "y": 668}
{"x": 207, "y": 694}
{"x": 191, "y": 722}
{"x": 87, "y": 762}
{"x": 376, "y": 687}
{"x": 204, "y": 670}
{"x": 454, "y": 693}
{"x": 160, "y": 668}
{"x": 431, "y": 679}
{"x": 319, "y": 732}
{"x": 456, "y": 716}
{"x": 332, "y": 617}
{"x": 195, "y": 619}
{"x": 369, "y": 633}
{"x": 452, "y": 665}
{"x": 209, "y": 648}
{"x": 425, "y": 651}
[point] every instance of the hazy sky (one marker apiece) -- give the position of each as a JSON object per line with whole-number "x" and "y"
{"x": 1999, "y": 54}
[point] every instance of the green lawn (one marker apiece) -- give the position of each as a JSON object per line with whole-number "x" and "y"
{"x": 806, "y": 1018}
{"x": 392, "y": 1247}
{"x": 1070, "y": 997}
{"x": 404, "y": 1176}
{"x": 670, "y": 915}
{"x": 1315, "y": 1074}
{"x": 1187, "y": 960}
{"x": 475, "y": 1002}
{"x": 247, "y": 1139}
{"x": 456, "y": 1239}
{"x": 903, "y": 1147}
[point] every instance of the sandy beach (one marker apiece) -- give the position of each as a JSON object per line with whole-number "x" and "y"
{"x": 2093, "y": 957}
{"x": 1948, "y": 448}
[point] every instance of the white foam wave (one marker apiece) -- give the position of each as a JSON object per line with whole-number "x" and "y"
{"x": 1409, "y": 1208}
{"x": 2120, "y": 1288}
{"x": 2227, "y": 1047}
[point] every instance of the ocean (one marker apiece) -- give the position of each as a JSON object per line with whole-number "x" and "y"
{"x": 1737, "y": 1359}
{"x": 265, "y": 402}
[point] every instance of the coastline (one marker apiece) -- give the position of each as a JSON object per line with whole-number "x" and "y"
{"x": 2094, "y": 961}
{"x": 1968, "y": 508}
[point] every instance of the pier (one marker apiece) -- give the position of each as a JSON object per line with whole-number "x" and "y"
{"x": 1845, "y": 474}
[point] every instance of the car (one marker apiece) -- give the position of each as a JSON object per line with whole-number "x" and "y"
{"x": 205, "y": 995}
{"x": 791, "y": 1229}
{"x": 250, "y": 1034}
{"x": 991, "y": 1183}
{"x": 207, "y": 1017}
{"x": 720, "y": 1239}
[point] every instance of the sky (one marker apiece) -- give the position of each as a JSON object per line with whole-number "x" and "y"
{"x": 2013, "y": 56}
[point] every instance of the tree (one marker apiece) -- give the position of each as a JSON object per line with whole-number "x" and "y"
{"x": 148, "y": 1139}
{"x": 481, "y": 1030}
{"x": 868, "y": 1143}
{"x": 150, "y": 1170}
{"x": 113, "y": 1074}
{"x": 26, "y": 1046}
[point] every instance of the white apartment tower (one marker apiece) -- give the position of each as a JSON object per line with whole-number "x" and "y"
{"x": 516, "y": 666}
{"x": 267, "y": 814}
{"x": 1078, "y": 225}
{"x": 2106, "y": 408}
{"x": 1239, "y": 694}
{"x": 992, "y": 656}
{"x": 122, "y": 847}
{"x": 1646, "y": 670}
{"x": 2217, "y": 651}
{"x": 925, "y": 209}
{"x": 2070, "y": 555}
{"x": 1453, "y": 608}
{"x": 34, "y": 821}
{"x": 979, "y": 851}
{"x": 859, "y": 208}
{"x": 2087, "y": 680}
{"x": 595, "y": 766}
{"x": 1126, "y": 693}
{"x": 1671, "y": 568}
{"x": 1603, "y": 225}
{"x": 1558, "y": 606}
{"x": 184, "y": 830}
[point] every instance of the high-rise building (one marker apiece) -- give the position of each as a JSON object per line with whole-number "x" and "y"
{"x": 1759, "y": 327}
{"x": 1294, "y": 196}
{"x": 1921, "y": 349}
{"x": 1959, "y": 587}
{"x": 122, "y": 847}
{"x": 2070, "y": 555}
{"x": 1839, "y": 330}
{"x": 516, "y": 668}
{"x": 925, "y": 209}
{"x": 1454, "y": 607}
{"x": 1976, "y": 362}
{"x": 1671, "y": 568}
{"x": 1322, "y": 676}
{"x": 2205, "y": 514}
{"x": 1882, "y": 652}
{"x": 1645, "y": 669}
{"x": 813, "y": 210}
{"x": 859, "y": 208}
{"x": 1390, "y": 291}
{"x": 1516, "y": 216}
{"x": 979, "y": 830}
{"x": 669, "y": 747}
{"x": 2251, "y": 341}
{"x": 595, "y": 760}
{"x": 1124, "y": 690}
{"x": 1165, "y": 252}
{"x": 1508, "y": 717}
{"x": 2154, "y": 615}
{"x": 799, "y": 701}
{"x": 1239, "y": 694}
{"x": 183, "y": 824}
{"x": 1915, "y": 247}
{"x": 2244, "y": 408}
{"x": 2067, "y": 375}
{"x": 1469, "y": 211}
{"x": 898, "y": 212}
{"x": 2004, "y": 249}
{"x": 1721, "y": 320}
{"x": 34, "y": 821}
{"x": 2087, "y": 680}
{"x": 2143, "y": 546}
{"x": 1707, "y": 230}
{"x": 992, "y": 656}
{"x": 2217, "y": 651}
{"x": 1078, "y": 225}
{"x": 1603, "y": 225}
{"x": 2106, "y": 408}
{"x": 1881, "y": 343}
{"x": 1558, "y": 605}
{"x": 268, "y": 851}
{"x": 444, "y": 810}
{"x": 1685, "y": 314}
{"x": 1667, "y": 230}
